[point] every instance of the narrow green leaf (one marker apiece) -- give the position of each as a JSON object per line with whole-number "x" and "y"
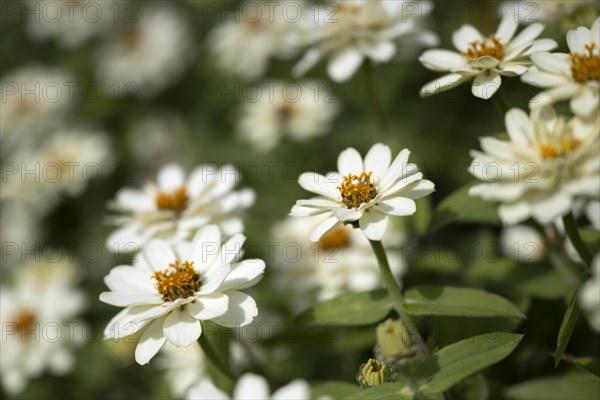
{"x": 459, "y": 206}
{"x": 336, "y": 390}
{"x": 457, "y": 361}
{"x": 363, "y": 308}
{"x": 589, "y": 364}
{"x": 387, "y": 391}
{"x": 566, "y": 328}
{"x": 574, "y": 386}
{"x": 439, "y": 300}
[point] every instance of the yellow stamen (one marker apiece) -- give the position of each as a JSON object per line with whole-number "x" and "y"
{"x": 550, "y": 151}
{"x": 338, "y": 238}
{"x": 179, "y": 281}
{"x": 357, "y": 189}
{"x": 24, "y": 321}
{"x": 176, "y": 201}
{"x": 585, "y": 67}
{"x": 492, "y": 47}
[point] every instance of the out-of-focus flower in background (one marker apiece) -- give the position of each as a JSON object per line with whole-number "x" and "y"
{"x": 176, "y": 206}
{"x": 357, "y": 30}
{"x": 528, "y": 11}
{"x": 589, "y": 297}
{"x": 183, "y": 367}
{"x": 548, "y": 163}
{"x": 522, "y": 243}
{"x": 341, "y": 262}
{"x": 39, "y": 327}
{"x": 298, "y": 111}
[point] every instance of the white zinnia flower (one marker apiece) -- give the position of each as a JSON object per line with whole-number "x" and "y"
{"x": 251, "y": 386}
{"x": 243, "y": 45}
{"x": 548, "y": 163}
{"x": 589, "y": 297}
{"x": 175, "y": 207}
{"x": 38, "y": 315}
{"x": 306, "y": 112}
{"x": 522, "y": 243}
{"x": 168, "y": 292}
{"x": 484, "y": 60}
{"x": 144, "y": 57}
{"x": 341, "y": 262}
{"x": 574, "y": 76}
{"x": 183, "y": 366}
{"x": 359, "y": 29}
{"x": 363, "y": 193}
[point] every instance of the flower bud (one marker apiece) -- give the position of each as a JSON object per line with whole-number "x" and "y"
{"x": 393, "y": 341}
{"x": 373, "y": 373}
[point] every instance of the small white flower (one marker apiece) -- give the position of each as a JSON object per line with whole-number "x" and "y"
{"x": 574, "y": 76}
{"x": 548, "y": 163}
{"x": 183, "y": 366}
{"x": 589, "y": 297}
{"x": 169, "y": 291}
{"x": 363, "y": 193}
{"x": 244, "y": 45}
{"x": 251, "y": 386}
{"x": 522, "y": 243}
{"x": 484, "y": 60}
{"x": 341, "y": 262}
{"x": 145, "y": 56}
{"x": 307, "y": 114}
{"x": 358, "y": 30}
{"x": 34, "y": 313}
{"x": 175, "y": 207}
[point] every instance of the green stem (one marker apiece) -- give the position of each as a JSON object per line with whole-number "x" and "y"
{"x": 374, "y": 100}
{"x": 573, "y": 235}
{"x": 215, "y": 360}
{"x": 394, "y": 291}
{"x": 500, "y": 104}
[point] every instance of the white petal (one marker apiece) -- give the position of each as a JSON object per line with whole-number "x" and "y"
{"x": 206, "y": 245}
{"x": 538, "y": 46}
{"x": 318, "y": 184}
{"x": 512, "y": 213}
{"x": 181, "y": 329}
{"x": 446, "y": 82}
{"x": 378, "y": 159}
{"x": 586, "y": 102}
{"x": 150, "y": 342}
{"x": 442, "y": 60}
{"x": 347, "y": 214}
{"x": 554, "y": 95}
{"x": 519, "y": 127}
{"x": 206, "y": 390}
{"x": 395, "y": 170}
{"x": 243, "y": 275}
{"x": 465, "y": 35}
{"x": 208, "y": 306}
{"x": 324, "y": 228}
{"x": 399, "y": 206}
{"x": 311, "y": 57}
{"x": 171, "y": 177}
{"x": 231, "y": 248}
{"x": 486, "y": 84}
{"x": 134, "y": 199}
{"x": 159, "y": 254}
{"x": 557, "y": 62}
{"x": 484, "y": 62}
{"x": 539, "y": 78}
{"x": 295, "y": 390}
{"x": 343, "y": 65}
{"x": 508, "y": 27}
{"x": 527, "y": 35}
{"x": 513, "y": 69}
{"x": 380, "y": 52}
{"x": 121, "y": 325}
{"x": 251, "y": 387}
{"x": 129, "y": 279}
{"x": 373, "y": 224}
{"x": 546, "y": 211}
{"x": 302, "y": 211}
{"x": 214, "y": 277}
{"x": 350, "y": 162}
{"x": 241, "y": 311}
{"x": 126, "y": 299}
{"x": 419, "y": 189}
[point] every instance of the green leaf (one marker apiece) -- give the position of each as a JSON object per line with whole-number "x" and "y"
{"x": 574, "y": 386}
{"x": 363, "y": 308}
{"x": 457, "y": 361}
{"x": 387, "y": 391}
{"x": 589, "y": 364}
{"x": 439, "y": 300}
{"x": 334, "y": 389}
{"x": 459, "y": 206}
{"x": 566, "y": 328}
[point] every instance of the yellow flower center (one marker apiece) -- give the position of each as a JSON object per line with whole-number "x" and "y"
{"x": 179, "y": 281}
{"x": 552, "y": 151}
{"x": 357, "y": 189}
{"x": 491, "y": 47}
{"x": 585, "y": 67}
{"x": 24, "y": 322}
{"x": 176, "y": 201}
{"x": 338, "y": 238}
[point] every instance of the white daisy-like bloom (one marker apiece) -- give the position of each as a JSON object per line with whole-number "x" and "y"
{"x": 249, "y": 387}
{"x": 35, "y": 98}
{"x": 548, "y": 163}
{"x": 484, "y": 60}
{"x": 589, "y": 297}
{"x": 341, "y": 262}
{"x": 544, "y": 10}
{"x": 360, "y": 29}
{"x": 182, "y": 366}
{"x": 170, "y": 290}
{"x": 259, "y": 31}
{"x": 522, "y": 243}
{"x": 71, "y": 23}
{"x": 574, "y": 76}
{"x": 305, "y": 113}
{"x": 363, "y": 193}
{"x": 39, "y": 322}
{"x": 145, "y": 56}
{"x": 175, "y": 206}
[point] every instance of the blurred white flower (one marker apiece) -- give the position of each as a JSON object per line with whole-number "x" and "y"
{"x": 304, "y": 111}
{"x": 34, "y": 100}
{"x": 71, "y": 23}
{"x": 251, "y": 386}
{"x": 592, "y": 211}
{"x": 169, "y": 291}
{"x": 574, "y": 76}
{"x": 359, "y": 29}
{"x": 589, "y": 297}
{"x": 544, "y": 10}
{"x": 39, "y": 329}
{"x": 341, "y": 262}
{"x": 20, "y": 230}
{"x": 484, "y": 60}
{"x": 363, "y": 193}
{"x": 259, "y": 31}
{"x": 548, "y": 163}
{"x": 145, "y": 56}
{"x": 175, "y": 207}
{"x": 522, "y": 243}
{"x": 183, "y": 366}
